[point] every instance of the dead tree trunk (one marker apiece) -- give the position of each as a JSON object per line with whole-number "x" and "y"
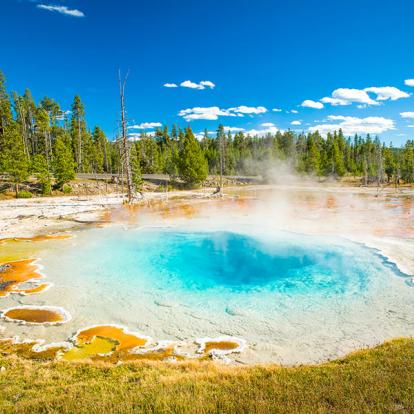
{"x": 125, "y": 143}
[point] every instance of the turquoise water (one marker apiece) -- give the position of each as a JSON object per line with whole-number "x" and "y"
{"x": 199, "y": 261}
{"x": 294, "y": 298}
{"x": 199, "y": 264}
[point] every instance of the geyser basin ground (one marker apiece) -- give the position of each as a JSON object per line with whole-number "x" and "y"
{"x": 293, "y": 298}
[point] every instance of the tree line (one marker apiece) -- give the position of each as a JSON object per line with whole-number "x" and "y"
{"x": 43, "y": 140}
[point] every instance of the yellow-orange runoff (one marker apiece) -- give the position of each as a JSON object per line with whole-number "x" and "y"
{"x": 12, "y": 274}
{"x": 33, "y": 315}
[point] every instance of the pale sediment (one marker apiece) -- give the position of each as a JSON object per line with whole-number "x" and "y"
{"x": 327, "y": 212}
{"x": 25, "y": 218}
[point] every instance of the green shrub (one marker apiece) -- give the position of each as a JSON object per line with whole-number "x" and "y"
{"x": 66, "y": 188}
{"x": 46, "y": 188}
{"x": 163, "y": 188}
{"x": 24, "y": 194}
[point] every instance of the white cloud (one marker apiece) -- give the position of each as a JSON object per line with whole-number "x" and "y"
{"x": 213, "y": 112}
{"x": 170, "y": 85}
{"x": 191, "y": 85}
{"x": 276, "y": 110}
{"x": 262, "y": 132}
{"x": 308, "y": 103}
{"x": 409, "y": 82}
{"x": 61, "y": 10}
{"x": 294, "y": 111}
{"x": 250, "y": 110}
{"x": 335, "y": 101}
{"x": 200, "y": 86}
{"x": 270, "y": 128}
{"x": 233, "y": 129}
{"x": 208, "y": 84}
{"x": 146, "y": 125}
{"x": 410, "y": 126}
{"x": 296, "y": 123}
{"x": 407, "y": 114}
{"x": 353, "y": 125}
{"x": 387, "y": 92}
{"x": 210, "y": 113}
{"x": 346, "y": 96}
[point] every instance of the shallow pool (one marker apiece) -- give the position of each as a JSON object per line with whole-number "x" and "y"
{"x": 293, "y": 298}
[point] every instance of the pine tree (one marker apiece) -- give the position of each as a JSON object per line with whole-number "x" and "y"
{"x": 40, "y": 168}
{"x": 78, "y": 130}
{"x": 64, "y": 163}
{"x": 390, "y": 162}
{"x": 100, "y": 160}
{"x": 33, "y": 134}
{"x": 29, "y": 110}
{"x": 20, "y": 111}
{"x": 149, "y": 154}
{"x": 193, "y": 167}
{"x": 338, "y": 160}
{"x": 42, "y": 131}
{"x": 171, "y": 160}
{"x": 407, "y": 171}
{"x": 313, "y": 159}
{"x": 136, "y": 168}
{"x": 52, "y": 108}
{"x": 16, "y": 163}
{"x": 221, "y": 143}
{"x": 6, "y": 123}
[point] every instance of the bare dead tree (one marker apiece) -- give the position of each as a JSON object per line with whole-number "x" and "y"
{"x": 120, "y": 178}
{"x": 125, "y": 144}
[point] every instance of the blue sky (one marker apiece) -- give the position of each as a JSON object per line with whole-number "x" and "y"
{"x": 353, "y": 61}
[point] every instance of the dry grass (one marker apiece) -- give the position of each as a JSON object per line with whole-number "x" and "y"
{"x": 371, "y": 381}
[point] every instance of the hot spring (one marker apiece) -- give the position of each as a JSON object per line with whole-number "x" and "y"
{"x": 293, "y": 298}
